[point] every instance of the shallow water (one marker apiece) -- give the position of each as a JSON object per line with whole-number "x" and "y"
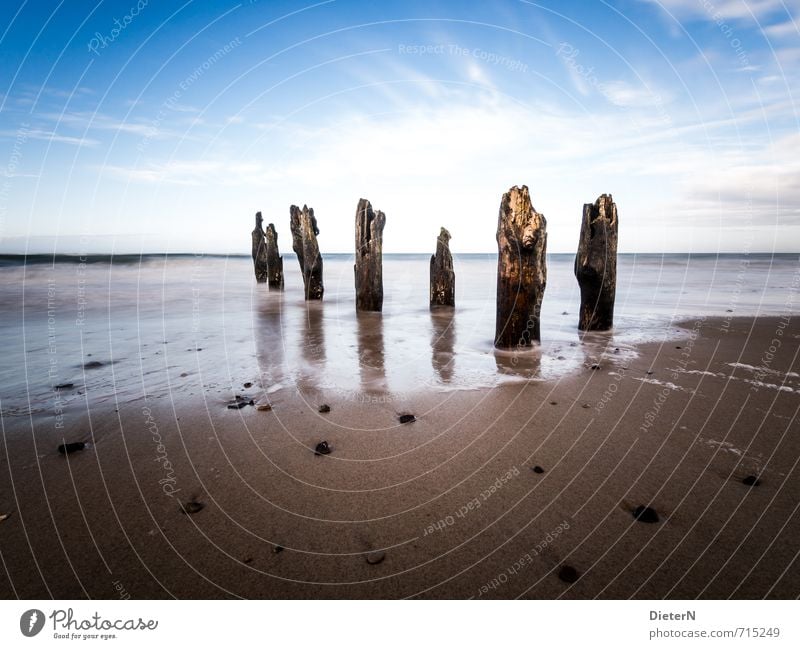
{"x": 200, "y": 325}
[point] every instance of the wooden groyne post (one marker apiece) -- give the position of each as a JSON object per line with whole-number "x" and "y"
{"x": 521, "y": 270}
{"x": 259, "y": 251}
{"x": 443, "y": 277}
{"x": 369, "y": 257}
{"x": 596, "y": 264}
{"x": 303, "y": 224}
{"x": 274, "y": 260}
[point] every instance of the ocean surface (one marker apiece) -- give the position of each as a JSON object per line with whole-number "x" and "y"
{"x": 133, "y": 327}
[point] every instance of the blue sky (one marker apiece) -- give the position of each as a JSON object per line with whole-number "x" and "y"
{"x": 147, "y": 125}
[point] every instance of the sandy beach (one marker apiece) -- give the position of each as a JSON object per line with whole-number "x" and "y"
{"x": 447, "y": 506}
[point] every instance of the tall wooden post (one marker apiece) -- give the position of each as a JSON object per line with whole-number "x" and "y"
{"x": 304, "y": 243}
{"x": 369, "y": 257}
{"x": 259, "y": 250}
{"x": 596, "y": 264}
{"x": 443, "y": 277}
{"x": 274, "y": 259}
{"x": 521, "y": 270}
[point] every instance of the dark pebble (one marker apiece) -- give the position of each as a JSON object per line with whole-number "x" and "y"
{"x": 554, "y": 403}
{"x": 585, "y": 405}
{"x": 249, "y": 560}
{"x": 645, "y": 514}
{"x": 324, "y": 408}
{"x": 277, "y": 549}
{"x": 751, "y": 481}
{"x": 677, "y": 347}
{"x": 561, "y": 358}
{"x": 564, "y": 313}
{"x": 568, "y": 574}
{"x": 192, "y": 507}
{"x": 407, "y": 419}
{"x": 72, "y": 447}
{"x": 374, "y": 558}
{"x": 323, "y": 448}
{"x": 63, "y": 386}
{"x": 247, "y": 385}
{"x": 92, "y": 365}
{"x": 649, "y": 371}
{"x": 184, "y": 375}
{"x": 595, "y": 366}
{"x": 537, "y": 469}
{"x": 236, "y": 405}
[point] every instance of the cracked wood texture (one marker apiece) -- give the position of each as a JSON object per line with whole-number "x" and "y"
{"x": 259, "y": 251}
{"x": 443, "y": 277}
{"x": 303, "y": 224}
{"x": 521, "y": 270}
{"x": 369, "y": 257}
{"x": 596, "y": 264}
{"x": 274, "y": 260}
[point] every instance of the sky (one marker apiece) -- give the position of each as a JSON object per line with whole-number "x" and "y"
{"x": 151, "y": 126}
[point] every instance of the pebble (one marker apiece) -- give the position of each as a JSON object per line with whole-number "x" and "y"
{"x": 645, "y": 514}
{"x": 585, "y": 405}
{"x": 324, "y": 408}
{"x": 92, "y": 365}
{"x": 323, "y": 448}
{"x": 247, "y": 385}
{"x": 192, "y": 507}
{"x": 4, "y": 517}
{"x": 236, "y": 405}
{"x": 63, "y": 386}
{"x": 537, "y": 469}
{"x": 374, "y": 558}
{"x": 407, "y": 419}
{"x": 595, "y": 366}
{"x": 751, "y": 481}
{"x": 554, "y": 403}
{"x": 71, "y": 447}
{"x": 568, "y": 574}
{"x": 263, "y": 406}
{"x": 277, "y": 549}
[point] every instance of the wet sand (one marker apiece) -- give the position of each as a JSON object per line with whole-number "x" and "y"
{"x": 447, "y": 506}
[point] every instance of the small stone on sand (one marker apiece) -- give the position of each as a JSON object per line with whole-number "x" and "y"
{"x": 263, "y": 406}
{"x": 248, "y": 560}
{"x": 277, "y": 549}
{"x": 585, "y": 405}
{"x": 92, "y": 365}
{"x": 192, "y": 507}
{"x": 4, "y": 517}
{"x": 323, "y": 448}
{"x": 568, "y": 574}
{"x": 247, "y": 385}
{"x": 407, "y": 419}
{"x": 537, "y": 469}
{"x": 645, "y": 514}
{"x": 554, "y": 403}
{"x": 324, "y": 408}
{"x": 71, "y": 447}
{"x": 63, "y": 386}
{"x": 751, "y": 481}
{"x": 595, "y": 366}
{"x": 374, "y": 558}
{"x": 236, "y": 405}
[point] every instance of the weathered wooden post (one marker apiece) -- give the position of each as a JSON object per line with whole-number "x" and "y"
{"x": 369, "y": 257}
{"x": 274, "y": 259}
{"x": 521, "y": 270}
{"x": 304, "y": 243}
{"x": 259, "y": 251}
{"x": 443, "y": 277}
{"x": 596, "y": 264}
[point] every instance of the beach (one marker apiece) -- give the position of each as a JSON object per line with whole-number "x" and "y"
{"x": 519, "y": 476}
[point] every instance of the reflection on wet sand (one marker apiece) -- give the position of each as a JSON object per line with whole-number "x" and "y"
{"x": 312, "y": 350}
{"x": 525, "y": 364}
{"x": 270, "y": 341}
{"x": 371, "y": 354}
{"x": 442, "y": 340}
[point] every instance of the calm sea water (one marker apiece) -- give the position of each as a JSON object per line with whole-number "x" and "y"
{"x": 161, "y": 327}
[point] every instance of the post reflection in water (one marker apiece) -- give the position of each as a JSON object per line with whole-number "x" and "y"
{"x": 442, "y": 340}
{"x": 525, "y": 364}
{"x": 371, "y": 354}
{"x": 270, "y": 340}
{"x": 312, "y": 349}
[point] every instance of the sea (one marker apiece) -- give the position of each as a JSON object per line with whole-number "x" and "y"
{"x": 137, "y": 327}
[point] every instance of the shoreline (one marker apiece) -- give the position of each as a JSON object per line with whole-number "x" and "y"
{"x": 373, "y": 518}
